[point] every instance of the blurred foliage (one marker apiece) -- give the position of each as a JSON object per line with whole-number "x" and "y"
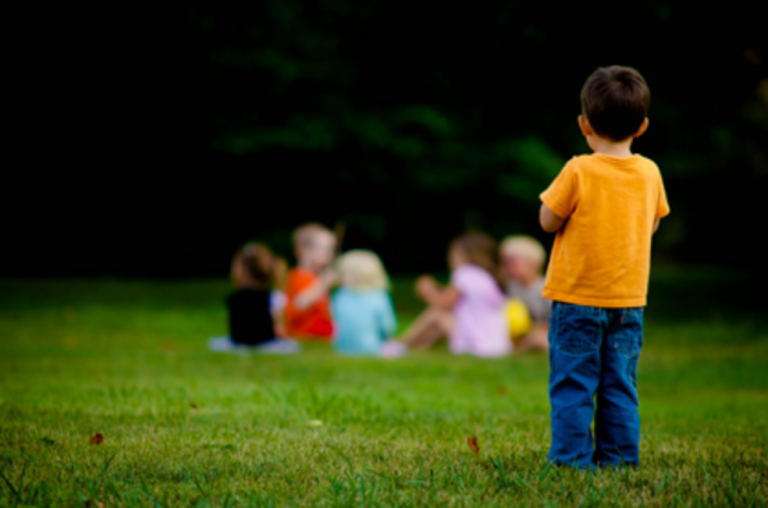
{"x": 408, "y": 121}
{"x": 471, "y": 109}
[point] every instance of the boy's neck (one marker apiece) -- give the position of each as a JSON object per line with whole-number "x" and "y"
{"x": 307, "y": 266}
{"x": 621, "y": 149}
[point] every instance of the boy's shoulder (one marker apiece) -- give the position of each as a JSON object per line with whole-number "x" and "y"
{"x": 598, "y": 163}
{"x": 594, "y": 159}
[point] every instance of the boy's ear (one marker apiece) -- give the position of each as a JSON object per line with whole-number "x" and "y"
{"x": 642, "y": 128}
{"x": 586, "y": 129}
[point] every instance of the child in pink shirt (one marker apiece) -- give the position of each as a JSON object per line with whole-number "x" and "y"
{"x": 470, "y": 310}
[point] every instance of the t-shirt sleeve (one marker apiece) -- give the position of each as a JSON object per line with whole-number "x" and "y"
{"x": 561, "y": 196}
{"x": 662, "y": 208}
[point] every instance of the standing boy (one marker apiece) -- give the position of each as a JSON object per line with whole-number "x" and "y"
{"x": 604, "y": 207}
{"x": 307, "y": 310}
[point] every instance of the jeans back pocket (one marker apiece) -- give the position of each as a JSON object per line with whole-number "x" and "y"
{"x": 577, "y": 328}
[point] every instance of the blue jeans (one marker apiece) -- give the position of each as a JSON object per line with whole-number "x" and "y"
{"x": 593, "y": 351}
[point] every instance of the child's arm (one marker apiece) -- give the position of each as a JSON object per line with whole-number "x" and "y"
{"x": 549, "y": 220}
{"x": 435, "y": 295}
{"x": 656, "y": 225}
{"x": 310, "y": 295}
{"x": 558, "y": 202}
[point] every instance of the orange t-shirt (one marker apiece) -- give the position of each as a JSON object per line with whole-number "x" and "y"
{"x": 602, "y": 254}
{"x": 313, "y": 322}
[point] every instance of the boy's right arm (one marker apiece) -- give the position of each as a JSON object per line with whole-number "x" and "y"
{"x": 549, "y": 220}
{"x": 558, "y": 201}
{"x": 310, "y": 295}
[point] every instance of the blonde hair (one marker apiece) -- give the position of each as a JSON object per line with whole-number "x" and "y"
{"x": 526, "y": 247}
{"x": 365, "y": 269}
{"x": 305, "y": 234}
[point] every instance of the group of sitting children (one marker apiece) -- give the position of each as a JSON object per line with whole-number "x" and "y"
{"x": 492, "y": 305}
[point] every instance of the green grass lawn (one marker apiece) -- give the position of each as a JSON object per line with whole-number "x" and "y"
{"x": 185, "y": 426}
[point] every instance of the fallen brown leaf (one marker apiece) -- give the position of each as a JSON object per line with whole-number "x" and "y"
{"x": 502, "y": 390}
{"x": 97, "y": 438}
{"x": 472, "y": 440}
{"x": 92, "y": 503}
{"x": 193, "y": 405}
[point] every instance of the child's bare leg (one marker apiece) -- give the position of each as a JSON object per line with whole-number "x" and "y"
{"x": 432, "y": 324}
{"x": 424, "y": 331}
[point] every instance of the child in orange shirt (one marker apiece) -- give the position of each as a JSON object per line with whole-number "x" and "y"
{"x": 307, "y": 310}
{"x": 604, "y": 207}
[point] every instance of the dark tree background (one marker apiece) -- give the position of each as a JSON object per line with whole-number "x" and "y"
{"x": 154, "y": 142}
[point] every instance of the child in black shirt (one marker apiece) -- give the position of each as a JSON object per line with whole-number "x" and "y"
{"x": 252, "y": 325}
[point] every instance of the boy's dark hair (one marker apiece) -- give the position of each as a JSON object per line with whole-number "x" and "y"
{"x": 615, "y": 100}
{"x": 481, "y": 250}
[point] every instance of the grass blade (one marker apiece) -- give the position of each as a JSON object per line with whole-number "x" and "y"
{"x": 10, "y": 486}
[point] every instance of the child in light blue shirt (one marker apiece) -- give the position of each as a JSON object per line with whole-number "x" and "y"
{"x": 362, "y": 308}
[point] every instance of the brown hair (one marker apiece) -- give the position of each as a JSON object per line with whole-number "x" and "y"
{"x": 481, "y": 250}
{"x": 261, "y": 265}
{"x": 615, "y": 100}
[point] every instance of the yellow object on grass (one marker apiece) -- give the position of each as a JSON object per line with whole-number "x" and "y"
{"x": 518, "y": 318}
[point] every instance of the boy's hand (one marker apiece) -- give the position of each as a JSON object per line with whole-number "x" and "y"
{"x": 549, "y": 220}
{"x": 330, "y": 277}
{"x": 310, "y": 295}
